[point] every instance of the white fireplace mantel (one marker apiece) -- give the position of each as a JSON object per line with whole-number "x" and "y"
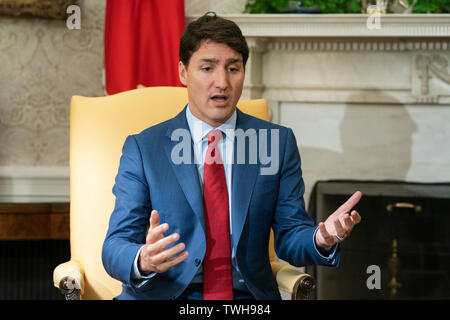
{"x": 340, "y": 25}
{"x": 302, "y": 60}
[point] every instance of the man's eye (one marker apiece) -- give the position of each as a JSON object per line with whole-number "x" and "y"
{"x": 206, "y": 68}
{"x": 234, "y": 69}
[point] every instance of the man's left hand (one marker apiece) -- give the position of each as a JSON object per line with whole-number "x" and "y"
{"x": 340, "y": 224}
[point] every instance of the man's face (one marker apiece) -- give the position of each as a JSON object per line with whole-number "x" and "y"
{"x": 214, "y": 80}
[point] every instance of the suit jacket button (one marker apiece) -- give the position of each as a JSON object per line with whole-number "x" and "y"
{"x": 197, "y": 262}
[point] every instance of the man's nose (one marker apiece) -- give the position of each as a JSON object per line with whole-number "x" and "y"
{"x": 221, "y": 80}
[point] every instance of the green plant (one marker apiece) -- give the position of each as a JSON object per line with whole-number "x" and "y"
{"x": 335, "y": 6}
{"x": 265, "y": 6}
{"x": 431, "y": 6}
{"x": 340, "y": 6}
{"x": 326, "y": 6}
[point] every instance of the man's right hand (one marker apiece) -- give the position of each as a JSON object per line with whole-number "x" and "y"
{"x": 154, "y": 257}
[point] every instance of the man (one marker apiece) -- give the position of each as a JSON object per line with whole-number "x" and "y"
{"x": 199, "y": 229}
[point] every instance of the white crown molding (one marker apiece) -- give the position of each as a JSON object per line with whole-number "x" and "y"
{"x": 339, "y": 25}
{"x": 34, "y": 184}
{"x": 359, "y": 45}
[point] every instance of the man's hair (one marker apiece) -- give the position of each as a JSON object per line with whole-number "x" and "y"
{"x": 210, "y": 27}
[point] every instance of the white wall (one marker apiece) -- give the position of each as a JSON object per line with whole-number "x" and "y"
{"x": 370, "y": 142}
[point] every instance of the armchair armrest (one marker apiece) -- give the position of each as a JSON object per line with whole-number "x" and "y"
{"x": 69, "y": 278}
{"x": 293, "y": 281}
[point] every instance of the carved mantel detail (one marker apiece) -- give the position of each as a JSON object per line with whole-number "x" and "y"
{"x": 426, "y": 67}
{"x": 357, "y": 45}
{"x": 253, "y": 86}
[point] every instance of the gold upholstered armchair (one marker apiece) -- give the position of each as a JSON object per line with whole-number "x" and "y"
{"x": 98, "y": 128}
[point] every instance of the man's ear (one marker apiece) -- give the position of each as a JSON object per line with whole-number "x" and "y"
{"x": 182, "y": 73}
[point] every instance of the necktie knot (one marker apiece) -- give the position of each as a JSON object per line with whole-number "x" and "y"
{"x": 213, "y": 156}
{"x": 214, "y": 137}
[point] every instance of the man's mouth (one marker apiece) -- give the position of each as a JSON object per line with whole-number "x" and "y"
{"x": 219, "y": 98}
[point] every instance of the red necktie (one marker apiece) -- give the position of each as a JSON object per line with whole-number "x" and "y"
{"x": 217, "y": 273}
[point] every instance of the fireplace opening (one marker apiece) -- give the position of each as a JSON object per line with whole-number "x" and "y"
{"x": 26, "y": 268}
{"x": 400, "y": 250}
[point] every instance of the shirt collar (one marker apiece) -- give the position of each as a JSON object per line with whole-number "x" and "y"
{"x": 199, "y": 129}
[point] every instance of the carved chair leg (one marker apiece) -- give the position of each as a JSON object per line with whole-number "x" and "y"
{"x": 68, "y": 288}
{"x": 303, "y": 287}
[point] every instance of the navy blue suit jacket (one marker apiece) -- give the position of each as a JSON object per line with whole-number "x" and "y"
{"x": 147, "y": 179}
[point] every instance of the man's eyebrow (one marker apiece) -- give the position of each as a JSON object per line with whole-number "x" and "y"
{"x": 229, "y": 61}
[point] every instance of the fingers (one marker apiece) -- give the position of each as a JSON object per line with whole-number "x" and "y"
{"x": 158, "y": 259}
{"x": 154, "y": 222}
{"x": 356, "y": 218}
{"x": 161, "y": 244}
{"x": 154, "y": 219}
{"x": 327, "y": 239}
{"x": 350, "y": 203}
{"x": 173, "y": 261}
{"x": 166, "y": 255}
{"x": 340, "y": 230}
{"x": 345, "y": 223}
{"x": 157, "y": 233}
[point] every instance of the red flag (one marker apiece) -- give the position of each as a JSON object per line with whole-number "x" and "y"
{"x": 142, "y": 39}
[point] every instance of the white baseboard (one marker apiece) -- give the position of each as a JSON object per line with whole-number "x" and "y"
{"x": 34, "y": 184}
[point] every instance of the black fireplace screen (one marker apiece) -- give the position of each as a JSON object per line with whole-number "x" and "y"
{"x": 26, "y": 268}
{"x": 401, "y": 249}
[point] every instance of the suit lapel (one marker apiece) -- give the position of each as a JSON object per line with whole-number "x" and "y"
{"x": 186, "y": 173}
{"x": 243, "y": 181}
